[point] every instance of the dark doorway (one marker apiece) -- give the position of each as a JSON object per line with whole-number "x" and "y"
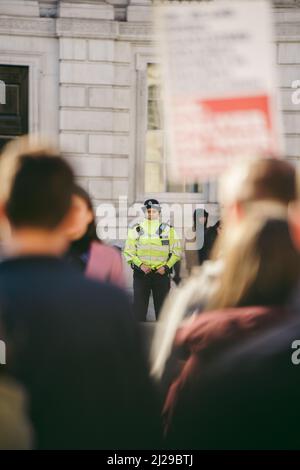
{"x": 14, "y": 113}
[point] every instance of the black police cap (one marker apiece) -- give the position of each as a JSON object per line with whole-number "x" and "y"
{"x": 151, "y": 203}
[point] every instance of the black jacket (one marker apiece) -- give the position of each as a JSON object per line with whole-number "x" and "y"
{"x": 74, "y": 344}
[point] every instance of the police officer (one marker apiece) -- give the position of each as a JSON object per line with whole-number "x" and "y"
{"x": 152, "y": 248}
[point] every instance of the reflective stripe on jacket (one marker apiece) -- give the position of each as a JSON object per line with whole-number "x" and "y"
{"x": 148, "y": 245}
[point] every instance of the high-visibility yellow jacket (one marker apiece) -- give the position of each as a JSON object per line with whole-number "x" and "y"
{"x": 152, "y": 243}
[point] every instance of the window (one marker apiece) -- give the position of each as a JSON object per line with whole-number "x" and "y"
{"x": 14, "y": 112}
{"x": 156, "y": 171}
{"x": 152, "y": 179}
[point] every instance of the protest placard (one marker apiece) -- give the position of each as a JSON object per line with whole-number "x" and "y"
{"x": 219, "y": 83}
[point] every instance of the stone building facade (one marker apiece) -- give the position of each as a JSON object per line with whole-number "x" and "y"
{"x": 88, "y": 64}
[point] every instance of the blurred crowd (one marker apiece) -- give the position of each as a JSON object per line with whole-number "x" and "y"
{"x": 214, "y": 372}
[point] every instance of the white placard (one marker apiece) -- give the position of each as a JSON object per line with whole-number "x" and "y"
{"x": 219, "y": 84}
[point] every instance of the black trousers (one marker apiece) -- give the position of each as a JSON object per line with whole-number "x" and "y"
{"x": 143, "y": 285}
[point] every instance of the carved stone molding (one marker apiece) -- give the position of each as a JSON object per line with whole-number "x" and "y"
{"x": 67, "y": 27}
{"x": 72, "y": 27}
{"x": 27, "y": 26}
{"x": 139, "y": 31}
{"x": 140, "y": 27}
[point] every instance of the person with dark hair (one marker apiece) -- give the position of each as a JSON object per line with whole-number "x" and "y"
{"x": 176, "y": 277}
{"x": 96, "y": 259}
{"x": 71, "y": 342}
{"x": 200, "y": 224}
{"x": 195, "y": 250}
{"x": 212, "y": 234}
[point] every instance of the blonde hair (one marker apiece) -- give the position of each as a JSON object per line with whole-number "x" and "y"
{"x": 205, "y": 289}
{"x": 261, "y": 264}
{"x": 268, "y": 185}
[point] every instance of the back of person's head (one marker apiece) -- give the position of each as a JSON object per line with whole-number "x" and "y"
{"x": 265, "y": 179}
{"x": 36, "y": 184}
{"x": 198, "y": 214}
{"x": 91, "y": 231}
{"x": 80, "y": 192}
{"x": 261, "y": 264}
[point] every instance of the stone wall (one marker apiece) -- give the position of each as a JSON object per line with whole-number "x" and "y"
{"x": 95, "y": 92}
{"x": 86, "y": 86}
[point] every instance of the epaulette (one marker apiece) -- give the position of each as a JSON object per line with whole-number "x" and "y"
{"x": 164, "y": 225}
{"x": 137, "y": 229}
{"x": 134, "y": 225}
